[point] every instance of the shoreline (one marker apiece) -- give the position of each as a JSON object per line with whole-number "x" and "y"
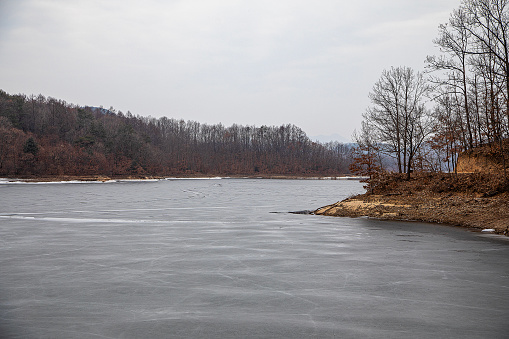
{"x": 75, "y": 178}
{"x": 473, "y": 211}
{"x": 104, "y": 178}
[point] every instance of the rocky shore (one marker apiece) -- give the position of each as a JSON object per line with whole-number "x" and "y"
{"x": 464, "y": 204}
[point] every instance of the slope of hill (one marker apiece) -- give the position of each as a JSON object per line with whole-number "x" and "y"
{"x": 48, "y": 137}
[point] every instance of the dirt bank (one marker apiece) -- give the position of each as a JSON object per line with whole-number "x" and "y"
{"x": 479, "y": 207}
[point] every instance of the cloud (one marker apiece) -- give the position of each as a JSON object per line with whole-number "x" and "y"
{"x": 250, "y": 62}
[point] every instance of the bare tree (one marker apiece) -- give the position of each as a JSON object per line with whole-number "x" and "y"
{"x": 398, "y": 116}
{"x": 488, "y": 23}
{"x": 454, "y": 39}
{"x": 475, "y": 73}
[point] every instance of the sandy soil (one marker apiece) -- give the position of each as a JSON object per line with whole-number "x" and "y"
{"x": 474, "y": 210}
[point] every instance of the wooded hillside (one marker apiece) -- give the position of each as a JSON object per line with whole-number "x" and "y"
{"x": 42, "y": 136}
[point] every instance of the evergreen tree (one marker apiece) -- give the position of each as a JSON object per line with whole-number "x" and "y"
{"x": 31, "y": 146}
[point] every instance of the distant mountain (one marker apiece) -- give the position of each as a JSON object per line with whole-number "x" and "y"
{"x": 99, "y": 109}
{"x": 330, "y": 137}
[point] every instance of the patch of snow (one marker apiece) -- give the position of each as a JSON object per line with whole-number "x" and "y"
{"x": 488, "y": 230}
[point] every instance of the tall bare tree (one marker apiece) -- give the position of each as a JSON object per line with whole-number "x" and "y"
{"x": 454, "y": 39}
{"x": 473, "y": 73}
{"x": 488, "y": 23}
{"x": 398, "y": 116}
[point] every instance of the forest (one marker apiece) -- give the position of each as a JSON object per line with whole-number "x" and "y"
{"x": 42, "y": 136}
{"x": 422, "y": 121}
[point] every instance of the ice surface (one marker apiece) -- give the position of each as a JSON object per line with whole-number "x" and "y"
{"x": 197, "y": 178}
{"x": 132, "y": 260}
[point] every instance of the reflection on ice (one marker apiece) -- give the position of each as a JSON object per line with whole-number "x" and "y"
{"x": 198, "y": 178}
{"x": 82, "y": 220}
{"x": 118, "y": 221}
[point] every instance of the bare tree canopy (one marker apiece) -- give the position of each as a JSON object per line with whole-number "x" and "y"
{"x": 398, "y": 118}
{"x": 471, "y": 79}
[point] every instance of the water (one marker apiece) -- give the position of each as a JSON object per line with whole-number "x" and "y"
{"x": 223, "y": 259}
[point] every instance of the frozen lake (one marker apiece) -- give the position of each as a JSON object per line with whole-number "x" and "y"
{"x": 223, "y": 259}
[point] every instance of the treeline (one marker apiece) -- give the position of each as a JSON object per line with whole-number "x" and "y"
{"x": 423, "y": 120}
{"x": 42, "y": 136}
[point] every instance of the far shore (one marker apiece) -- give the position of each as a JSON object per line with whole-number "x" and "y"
{"x": 103, "y": 178}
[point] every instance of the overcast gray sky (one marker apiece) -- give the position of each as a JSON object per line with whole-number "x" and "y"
{"x": 309, "y": 63}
